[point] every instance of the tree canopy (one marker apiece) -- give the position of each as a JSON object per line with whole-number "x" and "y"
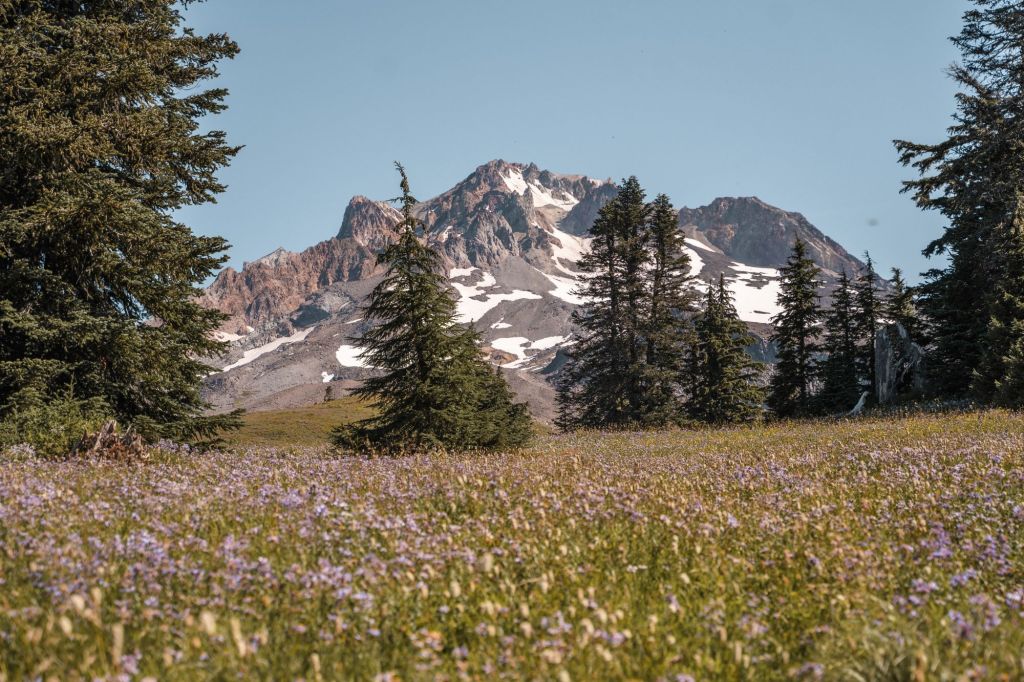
{"x": 100, "y": 142}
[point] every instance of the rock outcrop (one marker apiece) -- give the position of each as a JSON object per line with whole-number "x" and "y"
{"x": 899, "y": 365}
{"x": 278, "y": 283}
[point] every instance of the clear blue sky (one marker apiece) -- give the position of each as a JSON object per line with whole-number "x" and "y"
{"x": 794, "y": 101}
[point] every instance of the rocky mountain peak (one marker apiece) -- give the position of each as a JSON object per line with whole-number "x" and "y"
{"x": 505, "y": 209}
{"x": 272, "y": 259}
{"x": 370, "y": 223}
{"x": 759, "y": 234}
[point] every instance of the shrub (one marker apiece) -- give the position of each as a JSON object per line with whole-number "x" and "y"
{"x": 49, "y": 427}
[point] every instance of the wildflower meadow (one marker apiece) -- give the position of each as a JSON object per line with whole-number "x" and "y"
{"x": 860, "y": 550}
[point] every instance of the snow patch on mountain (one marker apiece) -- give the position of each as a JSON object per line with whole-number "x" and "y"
{"x": 513, "y": 345}
{"x": 518, "y": 345}
{"x": 569, "y": 248}
{"x": 756, "y": 292}
{"x": 475, "y": 301}
{"x": 542, "y": 197}
{"x": 350, "y": 356}
{"x": 696, "y": 262}
{"x": 226, "y": 336}
{"x": 516, "y": 182}
{"x": 327, "y": 378}
{"x": 253, "y": 353}
{"x": 564, "y": 288}
{"x": 442, "y": 236}
{"x": 548, "y": 342}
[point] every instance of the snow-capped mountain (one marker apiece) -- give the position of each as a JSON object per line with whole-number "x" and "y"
{"x": 510, "y": 235}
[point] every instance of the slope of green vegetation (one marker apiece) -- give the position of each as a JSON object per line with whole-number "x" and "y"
{"x": 862, "y": 550}
{"x": 297, "y": 427}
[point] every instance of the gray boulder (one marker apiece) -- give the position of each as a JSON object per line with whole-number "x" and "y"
{"x": 899, "y": 364}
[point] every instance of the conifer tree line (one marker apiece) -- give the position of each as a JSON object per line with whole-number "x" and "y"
{"x": 723, "y": 379}
{"x": 646, "y": 353}
{"x": 826, "y": 356}
{"x": 967, "y": 314}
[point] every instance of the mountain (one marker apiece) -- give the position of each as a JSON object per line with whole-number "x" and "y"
{"x": 510, "y": 235}
{"x": 751, "y": 231}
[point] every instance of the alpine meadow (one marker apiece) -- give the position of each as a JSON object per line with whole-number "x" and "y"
{"x": 534, "y": 424}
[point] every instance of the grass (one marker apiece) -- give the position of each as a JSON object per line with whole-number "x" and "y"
{"x": 297, "y": 427}
{"x": 878, "y": 549}
{"x": 307, "y": 426}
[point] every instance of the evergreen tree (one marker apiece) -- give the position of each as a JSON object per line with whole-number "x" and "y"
{"x": 590, "y": 382}
{"x": 672, "y": 301}
{"x": 841, "y": 385}
{"x": 867, "y": 309}
{"x": 503, "y": 423}
{"x": 795, "y": 335}
{"x": 723, "y": 378}
{"x": 436, "y": 391}
{"x": 625, "y": 366}
{"x": 100, "y": 143}
{"x": 631, "y": 224}
{"x": 899, "y": 306}
{"x": 972, "y": 178}
{"x": 603, "y": 382}
{"x": 1000, "y": 375}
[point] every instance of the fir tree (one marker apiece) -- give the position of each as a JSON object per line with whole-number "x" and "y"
{"x": 100, "y": 110}
{"x": 436, "y": 391}
{"x": 1000, "y": 374}
{"x": 972, "y": 179}
{"x": 899, "y": 306}
{"x": 722, "y": 377}
{"x": 672, "y": 301}
{"x": 602, "y": 384}
{"x": 625, "y": 366}
{"x": 795, "y": 335}
{"x": 503, "y": 422}
{"x": 866, "y": 312}
{"x": 590, "y": 382}
{"x": 631, "y": 224}
{"x": 841, "y": 385}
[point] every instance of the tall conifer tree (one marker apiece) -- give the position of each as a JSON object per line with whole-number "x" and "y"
{"x": 867, "y": 309}
{"x": 435, "y": 390}
{"x": 722, "y": 377}
{"x": 100, "y": 143}
{"x": 972, "y": 178}
{"x": 631, "y": 222}
{"x": 624, "y": 368}
{"x": 589, "y": 385}
{"x": 841, "y": 383}
{"x": 672, "y": 302}
{"x": 1000, "y": 374}
{"x": 899, "y": 306}
{"x": 796, "y": 330}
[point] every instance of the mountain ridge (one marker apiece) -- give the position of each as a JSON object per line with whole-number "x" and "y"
{"x": 509, "y": 235}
